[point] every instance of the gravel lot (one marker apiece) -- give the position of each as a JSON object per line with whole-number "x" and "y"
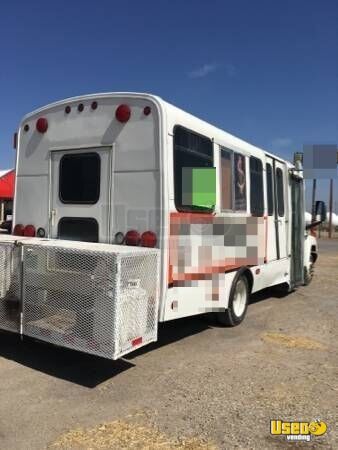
{"x": 200, "y": 380}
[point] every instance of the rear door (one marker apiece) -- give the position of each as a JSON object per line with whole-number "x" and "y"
{"x": 80, "y": 195}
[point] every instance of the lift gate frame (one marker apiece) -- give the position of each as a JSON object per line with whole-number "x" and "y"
{"x": 96, "y": 298}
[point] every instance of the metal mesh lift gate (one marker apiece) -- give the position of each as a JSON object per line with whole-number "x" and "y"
{"x": 96, "y": 298}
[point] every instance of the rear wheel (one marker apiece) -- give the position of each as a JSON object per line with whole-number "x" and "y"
{"x": 238, "y": 303}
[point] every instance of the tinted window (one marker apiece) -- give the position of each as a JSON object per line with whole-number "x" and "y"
{"x": 280, "y": 192}
{"x": 80, "y": 178}
{"x": 78, "y": 229}
{"x": 226, "y": 179}
{"x": 190, "y": 150}
{"x": 269, "y": 187}
{"x": 240, "y": 182}
{"x": 256, "y": 187}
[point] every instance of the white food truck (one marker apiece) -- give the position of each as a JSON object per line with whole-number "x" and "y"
{"x": 129, "y": 211}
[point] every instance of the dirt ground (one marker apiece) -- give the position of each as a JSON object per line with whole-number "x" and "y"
{"x": 200, "y": 386}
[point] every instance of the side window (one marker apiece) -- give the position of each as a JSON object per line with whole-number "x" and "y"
{"x": 240, "y": 182}
{"x": 280, "y": 192}
{"x": 226, "y": 179}
{"x": 269, "y": 186}
{"x": 256, "y": 187}
{"x": 190, "y": 150}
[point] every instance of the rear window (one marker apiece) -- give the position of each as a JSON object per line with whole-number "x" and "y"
{"x": 80, "y": 178}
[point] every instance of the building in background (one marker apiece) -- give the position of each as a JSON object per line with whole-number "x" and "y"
{"x": 7, "y": 182}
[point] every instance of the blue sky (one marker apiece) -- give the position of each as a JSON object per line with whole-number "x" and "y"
{"x": 264, "y": 70}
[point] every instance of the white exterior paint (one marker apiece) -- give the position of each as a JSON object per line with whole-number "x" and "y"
{"x": 137, "y": 184}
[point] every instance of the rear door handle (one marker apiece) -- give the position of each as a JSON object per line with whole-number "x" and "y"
{"x": 52, "y": 217}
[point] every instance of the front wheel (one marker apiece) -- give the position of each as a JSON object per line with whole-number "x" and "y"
{"x": 308, "y": 274}
{"x": 238, "y": 303}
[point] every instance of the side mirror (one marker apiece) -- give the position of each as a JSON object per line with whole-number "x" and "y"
{"x": 321, "y": 210}
{"x": 199, "y": 187}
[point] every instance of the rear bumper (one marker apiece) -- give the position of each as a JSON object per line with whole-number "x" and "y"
{"x": 95, "y": 298}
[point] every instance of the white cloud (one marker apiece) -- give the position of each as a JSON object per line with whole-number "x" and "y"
{"x": 203, "y": 71}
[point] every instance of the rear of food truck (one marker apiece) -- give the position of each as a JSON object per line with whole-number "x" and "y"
{"x": 81, "y": 269}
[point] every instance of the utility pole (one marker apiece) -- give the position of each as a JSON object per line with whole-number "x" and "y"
{"x": 330, "y": 208}
{"x": 314, "y": 186}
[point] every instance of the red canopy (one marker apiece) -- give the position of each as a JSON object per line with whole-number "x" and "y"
{"x": 7, "y": 180}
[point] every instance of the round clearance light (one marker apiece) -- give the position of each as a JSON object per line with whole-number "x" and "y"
{"x": 41, "y": 233}
{"x": 80, "y": 107}
{"x": 42, "y": 125}
{"x": 148, "y": 239}
{"x": 146, "y": 110}
{"x": 18, "y": 229}
{"x": 119, "y": 238}
{"x": 122, "y": 113}
{"x": 94, "y": 105}
{"x": 68, "y": 109}
{"x": 26, "y": 127}
{"x": 29, "y": 231}
{"x": 132, "y": 237}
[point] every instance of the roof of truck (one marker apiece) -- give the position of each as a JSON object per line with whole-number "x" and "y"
{"x": 174, "y": 110}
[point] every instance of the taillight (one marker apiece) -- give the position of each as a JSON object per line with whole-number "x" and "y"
{"x": 18, "y": 229}
{"x": 132, "y": 237}
{"x": 122, "y": 113}
{"x": 42, "y": 125}
{"x": 29, "y": 231}
{"x": 148, "y": 239}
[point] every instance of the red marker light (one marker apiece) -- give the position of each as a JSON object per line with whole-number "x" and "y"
{"x": 148, "y": 239}
{"x": 136, "y": 341}
{"x": 146, "y": 110}
{"x": 29, "y": 231}
{"x": 132, "y": 237}
{"x": 122, "y": 113}
{"x": 18, "y": 230}
{"x": 42, "y": 125}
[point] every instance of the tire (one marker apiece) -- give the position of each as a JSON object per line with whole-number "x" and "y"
{"x": 308, "y": 274}
{"x": 238, "y": 303}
